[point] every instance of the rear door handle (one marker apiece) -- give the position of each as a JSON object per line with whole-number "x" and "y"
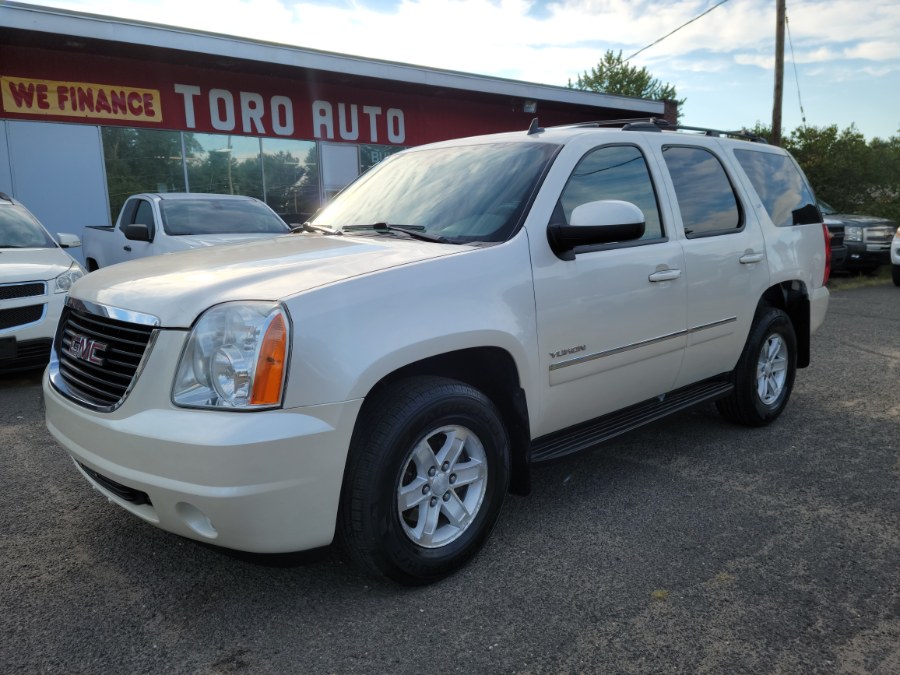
{"x": 749, "y": 258}
{"x": 127, "y": 248}
{"x": 664, "y": 275}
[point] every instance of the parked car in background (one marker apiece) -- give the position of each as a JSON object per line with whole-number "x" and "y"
{"x": 867, "y": 238}
{"x": 35, "y": 274}
{"x": 154, "y": 223}
{"x": 895, "y": 258}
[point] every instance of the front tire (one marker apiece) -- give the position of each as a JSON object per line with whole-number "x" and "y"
{"x": 895, "y": 274}
{"x": 426, "y": 477}
{"x": 764, "y": 376}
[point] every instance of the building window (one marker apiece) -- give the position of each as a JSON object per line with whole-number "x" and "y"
{"x": 291, "y": 173}
{"x": 370, "y": 155}
{"x": 281, "y": 172}
{"x": 223, "y": 164}
{"x": 141, "y": 160}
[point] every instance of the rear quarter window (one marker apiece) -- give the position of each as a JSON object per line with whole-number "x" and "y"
{"x": 781, "y": 187}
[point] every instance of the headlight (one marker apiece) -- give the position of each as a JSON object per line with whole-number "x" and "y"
{"x": 853, "y": 233}
{"x": 236, "y": 357}
{"x": 64, "y": 281}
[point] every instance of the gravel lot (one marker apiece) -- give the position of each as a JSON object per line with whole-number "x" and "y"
{"x": 690, "y": 546}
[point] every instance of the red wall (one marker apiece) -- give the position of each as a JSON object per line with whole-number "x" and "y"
{"x": 48, "y": 85}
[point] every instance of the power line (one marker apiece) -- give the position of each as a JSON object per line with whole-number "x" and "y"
{"x": 718, "y": 4}
{"x": 787, "y": 25}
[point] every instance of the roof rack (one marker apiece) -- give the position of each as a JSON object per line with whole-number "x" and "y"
{"x": 657, "y": 124}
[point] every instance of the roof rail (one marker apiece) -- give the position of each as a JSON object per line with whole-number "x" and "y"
{"x": 657, "y": 124}
{"x": 5, "y": 197}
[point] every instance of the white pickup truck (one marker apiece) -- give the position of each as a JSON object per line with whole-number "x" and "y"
{"x": 459, "y": 313}
{"x": 154, "y": 223}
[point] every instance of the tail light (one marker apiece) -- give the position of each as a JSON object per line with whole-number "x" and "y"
{"x": 827, "y": 273}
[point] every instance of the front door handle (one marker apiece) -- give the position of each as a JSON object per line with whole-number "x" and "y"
{"x": 664, "y": 275}
{"x": 750, "y": 257}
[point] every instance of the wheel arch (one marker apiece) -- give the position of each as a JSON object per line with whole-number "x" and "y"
{"x": 493, "y": 371}
{"x": 792, "y": 297}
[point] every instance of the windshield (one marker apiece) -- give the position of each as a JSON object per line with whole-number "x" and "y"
{"x": 18, "y": 229}
{"x": 826, "y": 209}
{"x": 219, "y": 216}
{"x": 461, "y": 193}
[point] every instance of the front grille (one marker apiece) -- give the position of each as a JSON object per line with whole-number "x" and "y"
{"x": 837, "y": 235}
{"x": 27, "y": 290}
{"x": 879, "y": 235}
{"x": 20, "y": 316}
{"x": 98, "y": 356}
{"x": 123, "y": 491}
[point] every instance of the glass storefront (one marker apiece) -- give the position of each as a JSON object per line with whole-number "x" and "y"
{"x": 283, "y": 173}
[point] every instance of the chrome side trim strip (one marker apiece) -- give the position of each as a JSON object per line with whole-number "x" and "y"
{"x": 114, "y": 312}
{"x": 637, "y": 345}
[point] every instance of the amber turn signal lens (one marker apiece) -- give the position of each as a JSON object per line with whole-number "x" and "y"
{"x": 270, "y": 366}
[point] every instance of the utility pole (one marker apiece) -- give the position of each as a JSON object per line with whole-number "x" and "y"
{"x": 780, "y": 13}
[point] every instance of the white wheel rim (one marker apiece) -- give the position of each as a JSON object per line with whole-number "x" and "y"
{"x": 771, "y": 369}
{"x": 442, "y": 486}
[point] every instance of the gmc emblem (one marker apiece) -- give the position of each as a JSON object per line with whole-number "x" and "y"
{"x": 86, "y": 349}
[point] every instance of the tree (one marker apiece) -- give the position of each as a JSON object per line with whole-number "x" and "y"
{"x": 850, "y": 174}
{"x": 613, "y": 75}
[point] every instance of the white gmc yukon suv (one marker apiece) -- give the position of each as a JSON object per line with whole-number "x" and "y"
{"x": 462, "y": 311}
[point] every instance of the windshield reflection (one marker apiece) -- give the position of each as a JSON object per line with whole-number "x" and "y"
{"x": 462, "y": 193}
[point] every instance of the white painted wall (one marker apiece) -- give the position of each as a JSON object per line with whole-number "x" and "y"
{"x": 56, "y": 170}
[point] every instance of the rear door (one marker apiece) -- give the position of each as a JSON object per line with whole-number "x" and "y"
{"x": 726, "y": 271}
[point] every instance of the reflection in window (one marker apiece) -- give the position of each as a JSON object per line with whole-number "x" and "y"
{"x": 613, "y": 172}
{"x": 706, "y": 198}
{"x": 370, "y": 155}
{"x": 463, "y": 193}
{"x": 780, "y": 185}
{"x": 140, "y": 160}
{"x": 291, "y": 173}
{"x": 223, "y": 164}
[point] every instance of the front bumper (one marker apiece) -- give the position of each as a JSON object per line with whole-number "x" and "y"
{"x": 866, "y": 256}
{"x": 264, "y": 482}
{"x": 26, "y": 345}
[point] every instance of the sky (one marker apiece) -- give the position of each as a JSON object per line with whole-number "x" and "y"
{"x": 842, "y": 63}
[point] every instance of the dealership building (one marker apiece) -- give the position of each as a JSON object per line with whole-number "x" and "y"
{"x": 95, "y": 108}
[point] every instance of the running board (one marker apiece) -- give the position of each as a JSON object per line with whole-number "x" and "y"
{"x": 587, "y": 435}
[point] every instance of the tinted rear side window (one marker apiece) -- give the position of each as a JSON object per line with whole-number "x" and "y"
{"x": 781, "y": 186}
{"x": 705, "y": 195}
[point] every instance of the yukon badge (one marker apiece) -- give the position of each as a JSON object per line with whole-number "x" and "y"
{"x": 566, "y": 352}
{"x": 86, "y": 349}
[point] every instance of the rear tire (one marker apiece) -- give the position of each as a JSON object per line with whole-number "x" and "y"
{"x": 426, "y": 477}
{"x": 764, "y": 376}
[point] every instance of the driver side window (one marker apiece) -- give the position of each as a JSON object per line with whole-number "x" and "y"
{"x": 612, "y": 172}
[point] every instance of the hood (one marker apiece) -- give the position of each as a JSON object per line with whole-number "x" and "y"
{"x": 177, "y": 287}
{"x": 201, "y": 240}
{"x": 32, "y": 264}
{"x": 859, "y": 221}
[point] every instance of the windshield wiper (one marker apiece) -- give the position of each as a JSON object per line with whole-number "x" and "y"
{"x": 309, "y": 227}
{"x": 414, "y": 231}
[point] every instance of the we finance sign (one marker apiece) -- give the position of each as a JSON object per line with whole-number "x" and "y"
{"x": 80, "y": 99}
{"x": 194, "y": 103}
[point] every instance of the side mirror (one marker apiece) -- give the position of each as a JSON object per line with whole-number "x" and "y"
{"x": 137, "y": 232}
{"x": 592, "y": 223}
{"x": 67, "y": 240}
